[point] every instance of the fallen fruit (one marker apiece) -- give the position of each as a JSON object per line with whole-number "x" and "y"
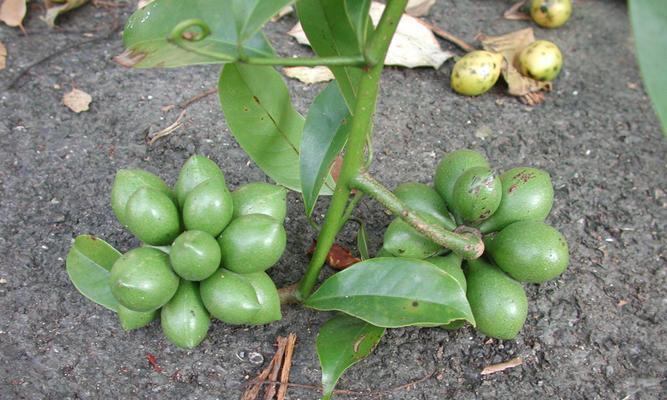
{"x": 540, "y": 60}
{"x": 551, "y": 13}
{"x": 476, "y": 72}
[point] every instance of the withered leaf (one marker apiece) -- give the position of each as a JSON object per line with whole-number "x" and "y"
{"x": 419, "y": 8}
{"x": 3, "y": 56}
{"x": 54, "y": 9}
{"x": 12, "y": 12}
{"x": 309, "y": 74}
{"x": 510, "y": 46}
{"x": 338, "y": 258}
{"x": 77, "y": 100}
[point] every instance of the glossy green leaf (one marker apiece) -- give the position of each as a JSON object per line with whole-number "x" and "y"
{"x": 259, "y": 113}
{"x": 362, "y": 241}
{"x": 649, "y": 23}
{"x": 325, "y": 132}
{"x": 394, "y": 292}
{"x": 145, "y": 35}
{"x": 88, "y": 264}
{"x": 342, "y": 342}
{"x": 357, "y": 12}
{"x": 330, "y": 33}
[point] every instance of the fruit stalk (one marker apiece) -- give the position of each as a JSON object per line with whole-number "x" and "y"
{"x": 466, "y": 245}
{"x": 359, "y": 131}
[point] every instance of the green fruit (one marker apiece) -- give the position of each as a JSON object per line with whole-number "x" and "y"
{"x": 252, "y": 243}
{"x": 497, "y": 301}
{"x": 184, "y": 319}
{"x": 197, "y": 169}
{"x": 451, "y": 264}
{"x": 195, "y": 255}
{"x": 527, "y": 195}
{"x": 230, "y": 297}
{"x": 128, "y": 181}
{"x": 423, "y": 198}
{"x": 541, "y": 60}
{"x": 152, "y": 217}
{"x": 476, "y": 195}
{"x": 208, "y": 207}
{"x": 551, "y": 13}
{"x": 267, "y": 296}
{"x": 451, "y": 167}
{"x": 476, "y": 72}
{"x": 402, "y": 240}
{"x": 529, "y": 251}
{"x": 130, "y": 320}
{"x": 260, "y": 198}
{"x": 383, "y": 253}
{"x": 142, "y": 279}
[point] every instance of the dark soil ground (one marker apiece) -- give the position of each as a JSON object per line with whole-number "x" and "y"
{"x": 597, "y": 332}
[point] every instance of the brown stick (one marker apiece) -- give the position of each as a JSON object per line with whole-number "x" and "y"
{"x": 187, "y": 103}
{"x": 449, "y": 37}
{"x": 271, "y": 390}
{"x": 287, "y": 364}
{"x": 150, "y": 139}
{"x": 514, "y": 13}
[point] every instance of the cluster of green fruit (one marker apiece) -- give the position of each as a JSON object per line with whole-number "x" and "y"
{"x": 509, "y": 211}
{"x": 205, "y": 250}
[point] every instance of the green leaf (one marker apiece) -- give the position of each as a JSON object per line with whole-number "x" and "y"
{"x": 325, "y": 132}
{"x": 251, "y": 15}
{"x": 357, "y": 12}
{"x": 649, "y": 22}
{"x": 259, "y": 113}
{"x": 394, "y": 292}
{"x": 330, "y": 33}
{"x": 88, "y": 264}
{"x": 145, "y": 35}
{"x": 342, "y": 342}
{"x": 362, "y": 241}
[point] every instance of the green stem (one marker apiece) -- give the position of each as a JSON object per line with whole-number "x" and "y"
{"x": 354, "y": 156}
{"x": 339, "y": 61}
{"x": 467, "y": 245}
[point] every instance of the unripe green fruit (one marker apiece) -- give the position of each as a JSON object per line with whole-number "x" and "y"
{"x": 208, "y": 207}
{"x": 197, "y": 169}
{"x": 383, "y": 253}
{"x": 497, "y": 301}
{"x": 402, "y": 240}
{"x": 142, "y": 279}
{"x": 529, "y": 251}
{"x": 128, "y": 181}
{"x": 551, "y": 13}
{"x": 260, "y": 198}
{"x": 451, "y": 167}
{"x": 130, "y": 320}
{"x": 425, "y": 199}
{"x": 527, "y": 195}
{"x": 477, "y": 194}
{"x": 152, "y": 217}
{"x": 230, "y": 297}
{"x": 252, "y": 243}
{"x": 195, "y": 255}
{"x": 541, "y": 60}
{"x": 184, "y": 319}
{"x": 451, "y": 264}
{"x": 476, "y": 72}
{"x": 267, "y": 296}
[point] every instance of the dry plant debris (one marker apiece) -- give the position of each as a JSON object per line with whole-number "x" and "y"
{"x": 516, "y": 13}
{"x": 268, "y": 378}
{"x": 55, "y": 8}
{"x": 77, "y": 100}
{"x": 492, "y": 369}
{"x": 419, "y": 8}
{"x": 12, "y": 12}
{"x": 3, "y": 56}
{"x": 309, "y": 74}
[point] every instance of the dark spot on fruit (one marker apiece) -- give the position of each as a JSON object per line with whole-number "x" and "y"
{"x": 494, "y": 66}
{"x": 401, "y": 251}
{"x": 473, "y": 71}
{"x": 555, "y": 68}
{"x": 193, "y": 313}
{"x": 513, "y": 188}
{"x": 544, "y": 53}
{"x": 246, "y": 109}
{"x": 415, "y": 303}
{"x": 256, "y": 100}
{"x": 544, "y": 8}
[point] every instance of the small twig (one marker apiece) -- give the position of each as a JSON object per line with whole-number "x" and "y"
{"x": 271, "y": 390}
{"x": 514, "y": 13}
{"x": 152, "y": 138}
{"x": 115, "y": 27}
{"x": 492, "y": 369}
{"x": 255, "y": 385}
{"x": 449, "y": 37}
{"x": 187, "y": 103}
{"x": 287, "y": 294}
{"x": 287, "y": 364}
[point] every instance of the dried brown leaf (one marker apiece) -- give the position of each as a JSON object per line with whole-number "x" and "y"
{"x": 12, "y": 12}
{"x": 338, "y": 257}
{"x": 413, "y": 45}
{"x": 53, "y": 10}
{"x": 419, "y": 8}
{"x": 143, "y": 3}
{"x": 309, "y": 74}
{"x": 77, "y": 100}
{"x": 3, "y": 56}
{"x": 516, "y": 13}
{"x": 492, "y": 369}
{"x": 281, "y": 13}
{"x": 510, "y": 45}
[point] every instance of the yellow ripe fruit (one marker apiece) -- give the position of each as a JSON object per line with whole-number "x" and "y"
{"x": 476, "y": 72}
{"x": 541, "y": 60}
{"x": 550, "y": 13}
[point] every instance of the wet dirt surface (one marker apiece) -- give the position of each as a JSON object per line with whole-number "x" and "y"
{"x": 597, "y": 332}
